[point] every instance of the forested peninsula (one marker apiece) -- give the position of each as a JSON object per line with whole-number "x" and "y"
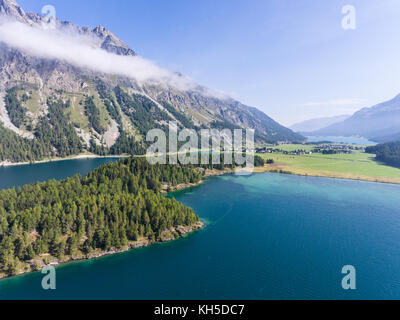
{"x": 116, "y": 207}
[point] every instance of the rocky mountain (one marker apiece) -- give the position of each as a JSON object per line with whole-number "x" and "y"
{"x": 12, "y": 9}
{"x": 317, "y": 124}
{"x": 56, "y": 108}
{"x": 380, "y": 123}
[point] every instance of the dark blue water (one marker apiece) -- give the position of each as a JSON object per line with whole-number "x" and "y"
{"x": 20, "y": 175}
{"x": 268, "y": 236}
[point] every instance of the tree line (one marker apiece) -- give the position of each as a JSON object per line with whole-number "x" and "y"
{"x": 54, "y": 134}
{"x": 388, "y": 153}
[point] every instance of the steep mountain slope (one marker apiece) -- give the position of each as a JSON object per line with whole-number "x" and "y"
{"x": 380, "y": 123}
{"x": 65, "y": 109}
{"x": 317, "y": 124}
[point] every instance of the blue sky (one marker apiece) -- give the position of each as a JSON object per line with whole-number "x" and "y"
{"x": 290, "y": 58}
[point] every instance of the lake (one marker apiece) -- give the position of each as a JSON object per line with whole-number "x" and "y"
{"x": 348, "y": 140}
{"x": 15, "y": 176}
{"x": 268, "y": 236}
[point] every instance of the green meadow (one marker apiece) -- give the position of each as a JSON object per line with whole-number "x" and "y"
{"x": 357, "y": 165}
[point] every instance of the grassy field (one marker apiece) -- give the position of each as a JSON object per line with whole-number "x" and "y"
{"x": 33, "y": 104}
{"x": 76, "y": 111}
{"x": 294, "y": 147}
{"x": 358, "y": 165}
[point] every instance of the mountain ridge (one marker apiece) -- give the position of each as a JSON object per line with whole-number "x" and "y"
{"x": 379, "y": 123}
{"x": 317, "y": 123}
{"x": 104, "y": 110}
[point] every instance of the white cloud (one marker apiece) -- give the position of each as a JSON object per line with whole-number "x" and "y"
{"x": 82, "y": 52}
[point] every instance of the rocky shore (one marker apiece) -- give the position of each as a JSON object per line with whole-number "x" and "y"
{"x": 55, "y": 159}
{"x": 166, "y": 187}
{"x": 166, "y": 236}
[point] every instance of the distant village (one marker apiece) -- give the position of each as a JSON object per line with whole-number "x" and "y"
{"x": 323, "y": 148}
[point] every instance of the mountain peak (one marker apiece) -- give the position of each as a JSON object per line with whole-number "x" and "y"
{"x": 107, "y": 40}
{"x": 111, "y": 42}
{"x": 101, "y": 31}
{"x": 11, "y": 8}
{"x": 8, "y": 3}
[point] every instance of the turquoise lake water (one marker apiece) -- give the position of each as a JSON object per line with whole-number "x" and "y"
{"x": 268, "y": 236}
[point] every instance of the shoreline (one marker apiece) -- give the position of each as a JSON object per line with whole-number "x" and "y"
{"x": 166, "y": 188}
{"x": 285, "y": 169}
{"x": 323, "y": 174}
{"x": 167, "y": 236}
{"x": 7, "y": 164}
{"x": 276, "y": 168}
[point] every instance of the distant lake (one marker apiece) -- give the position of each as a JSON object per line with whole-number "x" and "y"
{"x": 268, "y": 236}
{"x": 350, "y": 140}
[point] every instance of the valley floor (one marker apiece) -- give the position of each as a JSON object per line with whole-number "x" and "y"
{"x": 355, "y": 166}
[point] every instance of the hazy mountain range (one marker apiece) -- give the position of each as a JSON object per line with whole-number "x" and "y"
{"x": 104, "y": 90}
{"x": 317, "y": 124}
{"x": 380, "y": 123}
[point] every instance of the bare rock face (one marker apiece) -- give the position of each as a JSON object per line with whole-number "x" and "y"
{"x": 106, "y": 39}
{"x": 12, "y": 9}
{"x": 111, "y": 43}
